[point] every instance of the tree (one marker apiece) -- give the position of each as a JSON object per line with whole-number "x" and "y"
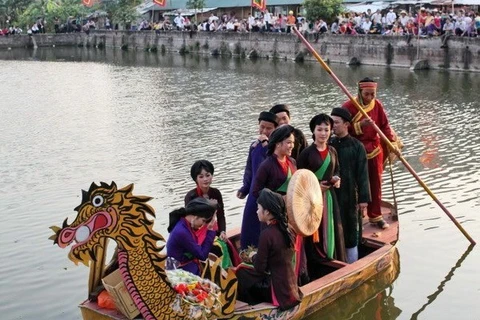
{"x": 11, "y": 9}
{"x": 123, "y": 11}
{"x": 197, "y": 5}
{"x": 323, "y": 9}
{"x": 51, "y": 9}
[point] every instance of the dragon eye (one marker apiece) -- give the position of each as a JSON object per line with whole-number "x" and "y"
{"x": 97, "y": 201}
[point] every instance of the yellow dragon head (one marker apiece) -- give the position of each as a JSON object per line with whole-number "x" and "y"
{"x": 110, "y": 213}
{"x": 106, "y": 211}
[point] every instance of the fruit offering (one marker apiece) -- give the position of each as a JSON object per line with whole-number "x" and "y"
{"x": 194, "y": 289}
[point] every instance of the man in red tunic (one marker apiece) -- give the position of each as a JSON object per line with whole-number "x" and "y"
{"x": 363, "y": 130}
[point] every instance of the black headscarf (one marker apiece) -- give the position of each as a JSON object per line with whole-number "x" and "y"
{"x": 199, "y": 207}
{"x": 278, "y": 135}
{"x": 274, "y": 203}
{"x": 198, "y": 166}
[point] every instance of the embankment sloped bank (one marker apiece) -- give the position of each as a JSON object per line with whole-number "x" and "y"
{"x": 462, "y": 54}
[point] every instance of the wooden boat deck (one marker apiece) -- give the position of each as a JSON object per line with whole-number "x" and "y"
{"x": 373, "y": 234}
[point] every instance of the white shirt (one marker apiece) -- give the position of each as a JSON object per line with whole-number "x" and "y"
{"x": 251, "y": 20}
{"x": 358, "y": 20}
{"x": 366, "y": 26}
{"x": 267, "y": 17}
{"x": 377, "y": 17}
{"x": 391, "y": 17}
{"x": 179, "y": 21}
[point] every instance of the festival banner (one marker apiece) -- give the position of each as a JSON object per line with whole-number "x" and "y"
{"x": 259, "y": 4}
{"x": 161, "y": 3}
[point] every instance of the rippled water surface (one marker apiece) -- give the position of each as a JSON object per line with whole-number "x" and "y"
{"x": 72, "y": 116}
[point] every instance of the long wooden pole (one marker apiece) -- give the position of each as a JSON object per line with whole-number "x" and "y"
{"x": 381, "y": 134}
{"x": 395, "y": 216}
{"x": 419, "y": 30}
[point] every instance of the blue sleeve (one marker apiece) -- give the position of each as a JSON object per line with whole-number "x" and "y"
{"x": 192, "y": 247}
{"x": 247, "y": 175}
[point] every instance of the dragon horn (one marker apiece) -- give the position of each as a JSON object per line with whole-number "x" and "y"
{"x": 54, "y": 237}
{"x": 55, "y": 228}
{"x": 65, "y": 223}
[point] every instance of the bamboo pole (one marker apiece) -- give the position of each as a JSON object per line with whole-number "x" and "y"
{"x": 418, "y": 35}
{"x": 395, "y": 216}
{"x": 381, "y": 134}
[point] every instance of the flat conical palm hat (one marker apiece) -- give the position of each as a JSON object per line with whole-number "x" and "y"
{"x": 304, "y": 202}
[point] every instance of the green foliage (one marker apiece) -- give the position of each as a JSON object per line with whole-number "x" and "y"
{"x": 323, "y": 9}
{"x": 123, "y": 11}
{"x": 26, "y": 12}
{"x": 196, "y": 4}
{"x": 49, "y": 10}
{"x": 11, "y": 9}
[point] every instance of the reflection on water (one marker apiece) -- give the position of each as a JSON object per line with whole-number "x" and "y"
{"x": 381, "y": 305}
{"x": 441, "y": 287}
{"x": 371, "y": 300}
{"x": 70, "y": 116}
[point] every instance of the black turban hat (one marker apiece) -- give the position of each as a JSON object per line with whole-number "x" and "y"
{"x": 342, "y": 113}
{"x": 278, "y": 135}
{"x": 268, "y": 116}
{"x": 319, "y": 119}
{"x": 280, "y": 108}
{"x": 198, "y": 166}
{"x": 273, "y": 202}
{"x": 201, "y": 207}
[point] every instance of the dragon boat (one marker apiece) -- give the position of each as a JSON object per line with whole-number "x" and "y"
{"x": 107, "y": 212}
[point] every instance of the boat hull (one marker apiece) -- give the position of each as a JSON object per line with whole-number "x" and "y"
{"x": 379, "y": 262}
{"x": 327, "y": 289}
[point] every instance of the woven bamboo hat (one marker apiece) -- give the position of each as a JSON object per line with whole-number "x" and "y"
{"x": 304, "y": 202}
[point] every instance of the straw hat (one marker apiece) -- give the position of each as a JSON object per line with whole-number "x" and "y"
{"x": 304, "y": 202}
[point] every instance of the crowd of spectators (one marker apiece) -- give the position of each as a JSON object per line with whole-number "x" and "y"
{"x": 39, "y": 26}
{"x": 424, "y": 23}
{"x": 427, "y": 22}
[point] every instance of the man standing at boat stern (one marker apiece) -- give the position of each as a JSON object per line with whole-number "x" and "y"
{"x": 282, "y": 112}
{"x": 354, "y": 192}
{"x": 363, "y": 129}
{"x": 267, "y": 122}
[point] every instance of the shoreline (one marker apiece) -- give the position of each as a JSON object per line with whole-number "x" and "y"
{"x": 462, "y": 54}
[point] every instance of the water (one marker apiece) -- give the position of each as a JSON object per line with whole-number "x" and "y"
{"x": 73, "y": 116}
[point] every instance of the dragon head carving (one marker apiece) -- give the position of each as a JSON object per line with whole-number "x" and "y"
{"x": 106, "y": 211}
{"x": 110, "y": 213}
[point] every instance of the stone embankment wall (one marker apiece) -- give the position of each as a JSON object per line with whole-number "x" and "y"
{"x": 462, "y": 54}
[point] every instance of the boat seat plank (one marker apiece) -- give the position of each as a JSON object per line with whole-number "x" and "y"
{"x": 241, "y": 306}
{"x": 335, "y": 264}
